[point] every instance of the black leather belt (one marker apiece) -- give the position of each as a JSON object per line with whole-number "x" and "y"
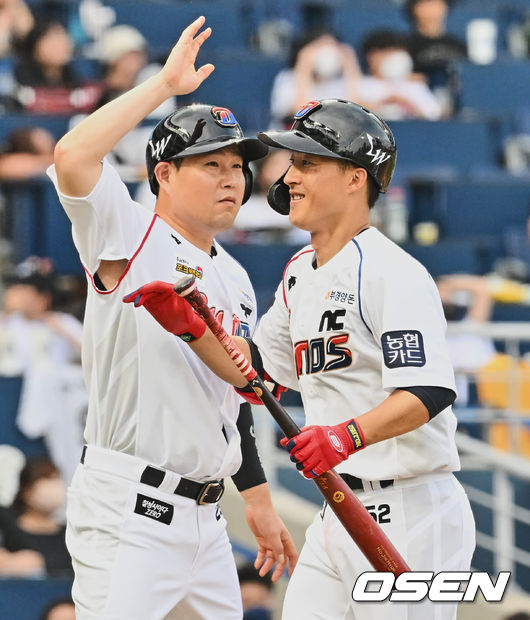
{"x": 356, "y": 484}
{"x": 202, "y": 492}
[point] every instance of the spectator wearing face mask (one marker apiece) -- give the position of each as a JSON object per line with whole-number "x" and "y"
{"x": 31, "y": 534}
{"x": 390, "y": 89}
{"x": 320, "y": 67}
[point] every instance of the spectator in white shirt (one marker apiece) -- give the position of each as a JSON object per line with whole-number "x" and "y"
{"x": 320, "y": 67}
{"x": 390, "y": 89}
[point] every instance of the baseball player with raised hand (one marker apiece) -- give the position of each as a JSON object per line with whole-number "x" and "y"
{"x": 144, "y": 529}
{"x": 357, "y": 326}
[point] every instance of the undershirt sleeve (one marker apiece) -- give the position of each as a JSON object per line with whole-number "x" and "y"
{"x": 435, "y": 398}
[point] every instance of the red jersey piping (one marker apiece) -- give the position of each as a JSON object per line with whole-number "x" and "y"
{"x": 128, "y": 264}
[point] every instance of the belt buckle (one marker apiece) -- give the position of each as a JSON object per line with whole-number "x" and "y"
{"x": 211, "y": 493}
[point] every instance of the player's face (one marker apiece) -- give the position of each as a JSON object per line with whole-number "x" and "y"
{"x": 315, "y": 190}
{"x": 207, "y": 190}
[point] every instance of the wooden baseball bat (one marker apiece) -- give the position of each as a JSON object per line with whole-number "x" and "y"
{"x": 357, "y": 521}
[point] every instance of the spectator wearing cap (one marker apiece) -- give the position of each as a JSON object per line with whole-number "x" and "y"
{"x": 40, "y": 336}
{"x": 390, "y": 89}
{"x": 44, "y": 346}
{"x": 45, "y": 81}
{"x": 432, "y": 48}
{"x": 124, "y": 54}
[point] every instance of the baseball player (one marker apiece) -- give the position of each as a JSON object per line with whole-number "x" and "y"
{"x": 144, "y": 529}
{"x": 357, "y": 326}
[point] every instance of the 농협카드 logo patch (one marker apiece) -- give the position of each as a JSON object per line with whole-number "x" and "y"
{"x": 403, "y": 348}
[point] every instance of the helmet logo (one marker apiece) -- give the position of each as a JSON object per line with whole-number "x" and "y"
{"x": 308, "y": 107}
{"x": 224, "y": 117}
{"x": 379, "y": 156}
{"x": 158, "y": 148}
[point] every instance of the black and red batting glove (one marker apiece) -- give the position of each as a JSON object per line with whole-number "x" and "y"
{"x": 173, "y": 312}
{"x": 317, "y": 449}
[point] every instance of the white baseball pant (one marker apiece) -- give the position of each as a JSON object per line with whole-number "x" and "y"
{"x": 430, "y": 524}
{"x": 144, "y": 553}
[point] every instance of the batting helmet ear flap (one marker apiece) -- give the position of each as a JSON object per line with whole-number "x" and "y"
{"x": 278, "y": 196}
{"x": 247, "y": 173}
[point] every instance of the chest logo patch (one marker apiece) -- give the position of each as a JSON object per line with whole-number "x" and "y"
{"x": 403, "y": 348}
{"x": 186, "y": 269}
{"x": 340, "y": 296}
{"x": 330, "y": 320}
{"x": 153, "y": 509}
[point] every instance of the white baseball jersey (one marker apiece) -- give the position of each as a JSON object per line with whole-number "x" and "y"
{"x": 348, "y": 333}
{"x": 150, "y": 395}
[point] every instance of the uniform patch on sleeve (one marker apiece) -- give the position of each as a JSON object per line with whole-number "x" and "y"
{"x": 154, "y": 509}
{"x": 403, "y": 348}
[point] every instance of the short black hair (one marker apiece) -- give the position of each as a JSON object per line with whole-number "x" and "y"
{"x": 247, "y": 573}
{"x": 382, "y": 40}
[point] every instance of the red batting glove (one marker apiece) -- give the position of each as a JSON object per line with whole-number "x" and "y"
{"x": 317, "y": 449}
{"x": 172, "y": 311}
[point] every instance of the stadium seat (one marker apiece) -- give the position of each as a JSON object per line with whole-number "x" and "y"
{"x": 477, "y": 208}
{"x": 227, "y": 18}
{"x": 242, "y": 81}
{"x": 458, "y": 145}
{"x": 10, "y": 389}
{"x": 501, "y": 88}
{"x": 512, "y": 312}
{"x": 56, "y": 125}
{"x": 25, "y": 599}
{"x": 352, "y": 24}
{"x": 447, "y": 257}
{"x": 40, "y": 226}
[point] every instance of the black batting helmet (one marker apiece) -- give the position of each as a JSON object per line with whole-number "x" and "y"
{"x": 339, "y": 129}
{"x": 197, "y": 129}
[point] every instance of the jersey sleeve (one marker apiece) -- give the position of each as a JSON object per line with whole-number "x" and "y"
{"x": 403, "y": 310}
{"x": 107, "y": 224}
{"x": 273, "y": 339}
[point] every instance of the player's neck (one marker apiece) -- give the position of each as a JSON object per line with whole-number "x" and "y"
{"x": 329, "y": 242}
{"x": 198, "y": 236}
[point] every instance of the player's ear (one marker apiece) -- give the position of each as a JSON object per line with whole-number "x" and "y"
{"x": 356, "y": 178}
{"x": 162, "y": 172}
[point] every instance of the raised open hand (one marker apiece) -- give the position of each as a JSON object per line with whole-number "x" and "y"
{"x": 179, "y": 71}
